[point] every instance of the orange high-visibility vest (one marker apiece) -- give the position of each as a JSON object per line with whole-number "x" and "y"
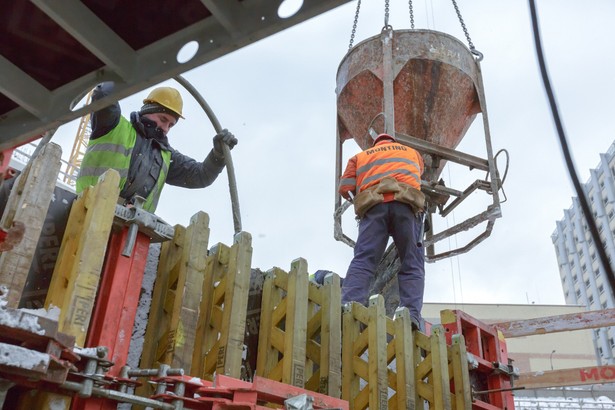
{"x": 389, "y": 159}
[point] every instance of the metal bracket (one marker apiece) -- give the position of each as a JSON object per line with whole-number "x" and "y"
{"x": 142, "y": 221}
{"x": 506, "y": 369}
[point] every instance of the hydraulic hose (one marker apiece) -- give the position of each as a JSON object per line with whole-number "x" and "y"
{"x": 232, "y": 182}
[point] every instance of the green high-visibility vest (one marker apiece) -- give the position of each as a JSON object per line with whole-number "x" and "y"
{"x": 113, "y": 151}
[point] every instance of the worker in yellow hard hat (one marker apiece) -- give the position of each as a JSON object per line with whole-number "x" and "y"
{"x": 140, "y": 151}
{"x": 385, "y": 181}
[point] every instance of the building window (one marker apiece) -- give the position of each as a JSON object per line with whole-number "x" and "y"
{"x": 581, "y": 253}
{"x": 590, "y": 299}
{"x": 584, "y": 268}
{"x": 611, "y": 342}
{"x": 575, "y": 279}
{"x": 604, "y": 305}
{"x": 611, "y": 214}
{"x": 593, "y": 256}
{"x": 587, "y": 283}
{"x": 601, "y": 289}
{"x": 578, "y": 293}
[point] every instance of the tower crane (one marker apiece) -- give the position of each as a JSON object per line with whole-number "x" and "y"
{"x": 79, "y": 146}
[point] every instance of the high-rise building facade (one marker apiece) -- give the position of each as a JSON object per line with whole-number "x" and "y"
{"x": 583, "y": 278}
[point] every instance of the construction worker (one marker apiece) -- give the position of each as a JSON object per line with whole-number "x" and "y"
{"x": 140, "y": 151}
{"x": 385, "y": 183}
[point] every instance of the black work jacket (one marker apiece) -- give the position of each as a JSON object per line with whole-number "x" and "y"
{"x": 146, "y": 160}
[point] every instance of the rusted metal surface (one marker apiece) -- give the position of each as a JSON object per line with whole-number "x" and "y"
{"x": 560, "y": 323}
{"x": 434, "y": 86}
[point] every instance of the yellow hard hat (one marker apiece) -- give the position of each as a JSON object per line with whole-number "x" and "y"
{"x": 167, "y": 97}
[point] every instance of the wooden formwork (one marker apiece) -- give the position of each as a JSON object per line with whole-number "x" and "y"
{"x": 76, "y": 276}
{"x": 77, "y": 273}
{"x": 300, "y": 330}
{"x": 170, "y": 333}
{"x": 222, "y": 319}
{"x": 28, "y": 203}
{"x": 388, "y": 365}
{"x": 197, "y": 317}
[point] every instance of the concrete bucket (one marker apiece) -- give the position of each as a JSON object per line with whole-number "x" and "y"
{"x": 420, "y": 83}
{"x": 424, "y": 87}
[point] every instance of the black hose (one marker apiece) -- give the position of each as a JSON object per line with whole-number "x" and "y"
{"x": 591, "y": 224}
{"x": 232, "y": 182}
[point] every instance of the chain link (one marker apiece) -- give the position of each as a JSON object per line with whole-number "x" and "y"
{"x": 386, "y": 13}
{"x": 411, "y": 14}
{"x": 463, "y": 26}
{"x": 354, "y": 24}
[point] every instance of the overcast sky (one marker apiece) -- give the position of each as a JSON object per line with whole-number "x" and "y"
{"x": 278, "y": 97}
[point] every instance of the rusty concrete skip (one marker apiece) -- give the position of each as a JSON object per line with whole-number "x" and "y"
{"x": 434, "y": 85}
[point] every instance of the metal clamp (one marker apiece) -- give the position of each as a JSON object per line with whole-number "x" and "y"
{"x": 142, "y": 221}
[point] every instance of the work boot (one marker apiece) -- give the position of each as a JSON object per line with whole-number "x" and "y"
{"x": 417, "y": 324}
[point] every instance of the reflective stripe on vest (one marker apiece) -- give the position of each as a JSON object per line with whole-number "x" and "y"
{"x": 114, "y": 150}
{"x": 152, "y": 200}
{"x": 395, "y": 160}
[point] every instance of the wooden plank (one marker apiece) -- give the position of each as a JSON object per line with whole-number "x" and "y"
{"x": 202, "y": 340}
{"x": 235, "y": 307}
{"x": 271, "y": 297}
{"x": 439, "y": 361}
{"x": 76, "y": 275}
{"x": 211, "y": 313}
{"x": 350, "y": 331}
{"x": 377, "y": 380}
{"x": 331, "y": 337}
{"x": 296, "y": 324}
{"x": 28, "y": 203}
{"x": 172, "y": 299}
{"x": 567, "y": 377}
{"x": 404, "y": 360}
{"x": 461, "y": 373}
{"x": 311, "y": 371}
{"x": 190, "y": 283}
{"x": 558, "y": 323}
{"x": 157, "y": 335}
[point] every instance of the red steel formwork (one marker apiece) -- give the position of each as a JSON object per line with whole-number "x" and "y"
{"x": 490, "y": 375}
{"x": 116, "y": 306}
{"x": 228, "y": 393}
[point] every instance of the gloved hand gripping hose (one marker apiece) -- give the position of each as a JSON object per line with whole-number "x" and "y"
{"x": 232, "y": 183}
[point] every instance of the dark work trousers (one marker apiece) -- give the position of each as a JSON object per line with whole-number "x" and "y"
{"x": 394, "y": 219}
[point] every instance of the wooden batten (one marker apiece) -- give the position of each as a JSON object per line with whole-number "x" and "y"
{"x": 28, "y": 203}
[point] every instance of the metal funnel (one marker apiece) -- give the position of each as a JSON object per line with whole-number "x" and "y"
{"x": 420, "y": 83}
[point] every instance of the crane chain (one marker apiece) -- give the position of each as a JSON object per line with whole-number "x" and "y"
{"x": 386, "y": 13}
{"x": 386, "y": 20}
{"x": 465, "y": 31}
{"x": 354, "y": 24}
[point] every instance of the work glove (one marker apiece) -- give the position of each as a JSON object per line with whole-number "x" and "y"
{"x": 224, "y": 137}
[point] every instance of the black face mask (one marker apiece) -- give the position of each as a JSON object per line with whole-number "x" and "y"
{"x": 148, "y": 129}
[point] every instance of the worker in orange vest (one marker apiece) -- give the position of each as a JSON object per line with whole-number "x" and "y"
{"x": 385, "y": 181}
